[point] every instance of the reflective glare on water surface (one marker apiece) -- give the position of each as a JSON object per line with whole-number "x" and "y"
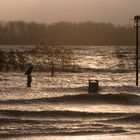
{"x": 61, "y": 105}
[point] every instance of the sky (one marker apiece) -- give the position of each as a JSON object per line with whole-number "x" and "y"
{"x": 119, "y": 12}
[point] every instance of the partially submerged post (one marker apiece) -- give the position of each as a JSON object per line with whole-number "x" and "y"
{"x": 29, "y": 76}
{"x": 137, "y": 25}
{"x": 52, "y": 68}
{"x": 93, "y": 86}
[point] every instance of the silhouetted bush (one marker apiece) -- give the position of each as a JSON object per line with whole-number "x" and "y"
{"x": 43, "y": 57}
{"x": 12, "y": 60}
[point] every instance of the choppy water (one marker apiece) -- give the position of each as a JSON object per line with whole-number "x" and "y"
{"x": 62, "y": 106}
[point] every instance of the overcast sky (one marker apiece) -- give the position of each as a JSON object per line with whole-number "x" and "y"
{"x": 49, "y": 11}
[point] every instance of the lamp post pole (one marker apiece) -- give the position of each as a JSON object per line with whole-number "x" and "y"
{"x": 137, "y": 53}
{"x": 137, "y": 18}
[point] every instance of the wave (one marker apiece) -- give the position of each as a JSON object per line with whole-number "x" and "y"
{"x": 58, "y": 113}
{"x": 131, "y": 118}
{"x": 16, "y": 122}
{"x": 128, "y": 99}
{"x": 106, "y": 70}
{"x": 60, "y": 133}
{"x": 66, "y": 133}
{"x": 98, "y": 98}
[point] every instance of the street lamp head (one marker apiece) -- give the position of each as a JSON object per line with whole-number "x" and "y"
{"x": 137, "y": 21}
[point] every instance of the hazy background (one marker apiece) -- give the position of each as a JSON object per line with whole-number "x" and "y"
{"x": 48, "y": 11}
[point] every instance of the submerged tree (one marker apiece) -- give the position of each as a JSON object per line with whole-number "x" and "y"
{"x": 55, "y": 57}
{"x": 125, "y": 56}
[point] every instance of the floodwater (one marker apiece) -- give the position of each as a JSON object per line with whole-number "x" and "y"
{"x": 61, "y": 105}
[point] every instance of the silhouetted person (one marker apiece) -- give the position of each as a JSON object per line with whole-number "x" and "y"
{"x": 29, "y": 77}
{"x": 29, "y": 70}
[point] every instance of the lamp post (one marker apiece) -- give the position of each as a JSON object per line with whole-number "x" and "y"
{"x": 137, "y": 25}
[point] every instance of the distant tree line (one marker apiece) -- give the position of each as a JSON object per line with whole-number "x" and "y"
{"x": 19, "y": 32}
{"x": 65, "y": 33}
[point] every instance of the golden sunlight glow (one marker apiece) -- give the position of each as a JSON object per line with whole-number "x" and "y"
{"x": 116, "y": 11}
